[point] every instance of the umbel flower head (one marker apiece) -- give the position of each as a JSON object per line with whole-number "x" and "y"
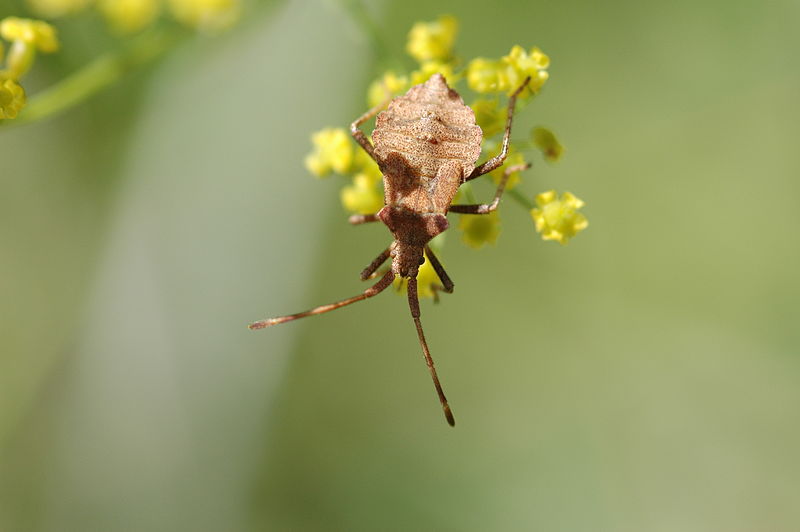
{"x": 558, "y": 218}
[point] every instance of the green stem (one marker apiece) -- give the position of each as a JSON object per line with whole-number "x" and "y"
{"x": 520, "y": 198}
{"x": 94, "y": 77}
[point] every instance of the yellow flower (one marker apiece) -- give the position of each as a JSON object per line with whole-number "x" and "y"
{"x": 546, "y": 141}
{"x": 363, "y": 196}
{"x": 32, "y": 32}
{"x": 478, "y": 230}
{"x": 489, "y": 116}
{"x": 57, "y": 8}
{"x": 507, "y": 73}
{"x": 429, "y": 68}
{"x": 426, "y": 279}
{"x": 486, "y": 75}
{"x": 558, "y": 219}
{"x": 333, "y": 151}
{"x": 206, "y": 15}
{"x": 533, "y": 64}
{"x": 364, "y": 163}
{"x": 389, "y": 85}
{"x": 12, "y": 98}
{"x": 432, "y": 40}
{"x": 514, "y": 158}
{"x": 129, "y": 16}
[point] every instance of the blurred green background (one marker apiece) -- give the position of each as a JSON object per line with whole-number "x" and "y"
{"x": 643, "y": 378}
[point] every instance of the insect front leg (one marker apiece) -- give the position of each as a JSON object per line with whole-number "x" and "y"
{"x": 447, "y": 285}
{"x": 486, "y": 208}
{"x": 498, "y": 160}
{"x": 369, "y": 271}
{"x": 359, "y": 135}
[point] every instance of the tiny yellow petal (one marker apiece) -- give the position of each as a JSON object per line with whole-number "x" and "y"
{"x": 429, "y": 41}
{"x": 558, "y": 219}
{"x": 479, "y": 230}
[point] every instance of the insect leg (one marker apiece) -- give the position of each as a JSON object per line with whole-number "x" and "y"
{"x": 498, "y": 160}
{"x": 486, "y": 208}
{"x": 374, "y": 290}
{"x": 359, "y": 135}
{"x": 358, "y": 219}
{"x": 375, "y": 264}
{"x": 413, "y": 304}
{"x": 447, "y": 285}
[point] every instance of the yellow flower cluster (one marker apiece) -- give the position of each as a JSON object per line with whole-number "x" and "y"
{"x": 364, "y": 195}
{"x": 26, "y": 37}
{"x": 131, "y": 16}
{"x": 388, "y": 86}
{"x": 507, "y": 73}
{"x": 433, "y": 41}
{"x": 431, "y": 45}
{"x": 334, "y": 151}
{"x": 558, "y": 218}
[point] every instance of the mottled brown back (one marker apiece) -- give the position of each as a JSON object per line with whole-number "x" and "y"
{"x": 425, "y": 142}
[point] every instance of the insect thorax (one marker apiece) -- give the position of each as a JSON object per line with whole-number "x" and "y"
{"x": 426, "y": 142}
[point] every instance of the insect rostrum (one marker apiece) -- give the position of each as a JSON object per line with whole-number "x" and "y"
{"x": 426, "y": 144}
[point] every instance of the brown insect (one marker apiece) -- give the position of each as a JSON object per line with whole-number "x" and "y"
{"x": 426, "y": 146}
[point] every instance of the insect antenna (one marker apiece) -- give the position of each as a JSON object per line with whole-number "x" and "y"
{"x": 413, "y": 303}
{"x": 374, "y": 290}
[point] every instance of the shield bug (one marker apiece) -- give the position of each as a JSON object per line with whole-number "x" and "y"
{"x": 426, "y": 144}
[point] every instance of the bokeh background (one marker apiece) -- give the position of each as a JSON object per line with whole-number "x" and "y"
{"x": 643, "y": 378}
